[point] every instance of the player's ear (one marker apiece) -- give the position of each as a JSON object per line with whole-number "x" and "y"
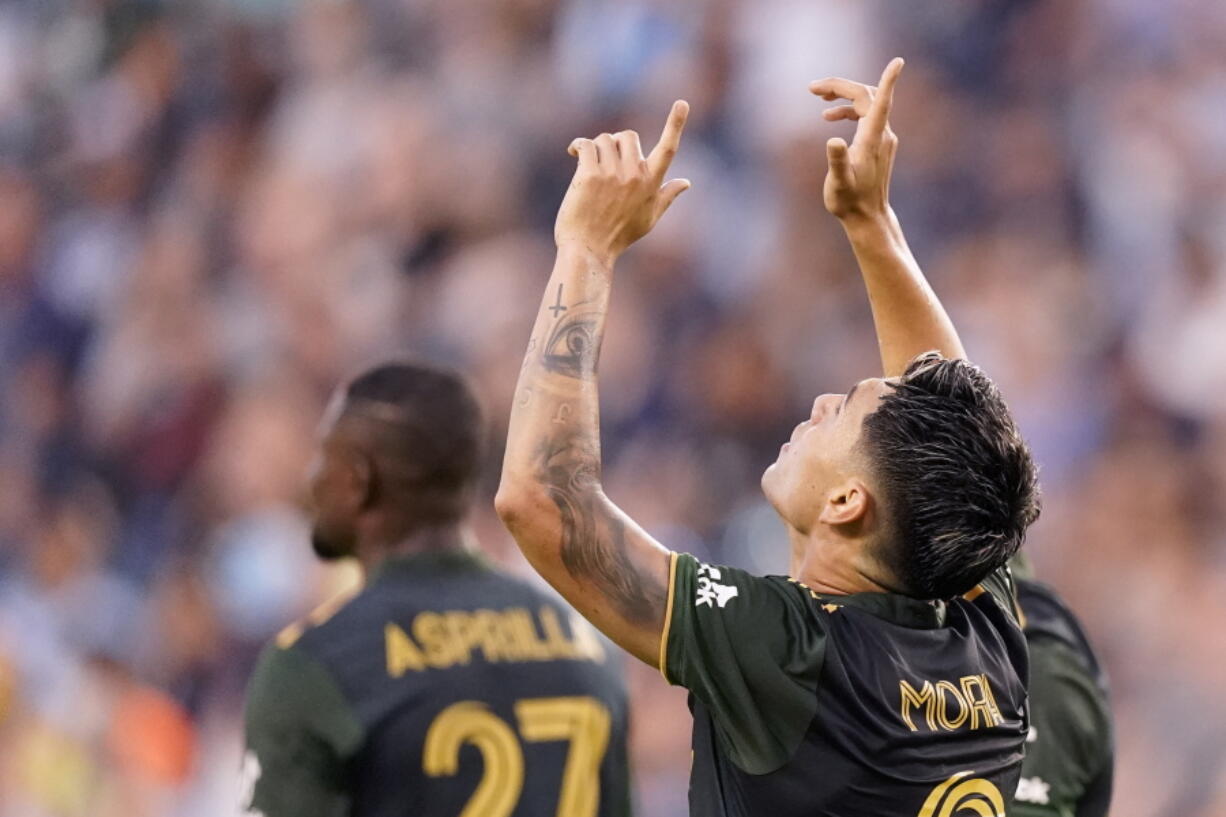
{"x": 363, "y": 475}
{"x": 355, "y": 478}
{"x": 847, "y": 505}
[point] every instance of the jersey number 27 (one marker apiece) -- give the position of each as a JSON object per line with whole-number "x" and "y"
{"x": 581, "y": 720}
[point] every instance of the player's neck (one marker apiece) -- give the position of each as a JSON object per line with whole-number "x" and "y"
{"x": 828, "y": 564}
{"x": 435, "y": 539}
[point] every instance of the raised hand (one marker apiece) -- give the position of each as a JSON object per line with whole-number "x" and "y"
{"x": 551, "y": 498}
{"x": 617, "y": 195}
{"x": 858, "y": 181}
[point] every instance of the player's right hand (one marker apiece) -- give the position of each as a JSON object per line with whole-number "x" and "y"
{"x": 617, "y": 195}
{"x": 858, "y": 181}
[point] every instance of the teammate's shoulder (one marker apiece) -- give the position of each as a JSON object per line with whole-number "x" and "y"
{"x": 1049, "y": 621}
{"x": 1067, "y": 695}
{"x": 323, "y": 613}
{"x": 292, "y": 692}
{"x": 1046, "y": 612}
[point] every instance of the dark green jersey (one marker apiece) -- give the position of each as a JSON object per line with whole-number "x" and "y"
{"x": 1069, "y": 755}
{"x": 443, "y": 688}
{"x": 825, "y": 706}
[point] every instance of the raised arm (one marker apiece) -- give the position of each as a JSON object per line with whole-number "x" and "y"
{"x": 550, "y": 497}
{"x": 909, "y": 318}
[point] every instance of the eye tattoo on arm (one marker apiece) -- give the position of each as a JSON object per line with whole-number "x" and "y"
{"x": 573, "y": 349}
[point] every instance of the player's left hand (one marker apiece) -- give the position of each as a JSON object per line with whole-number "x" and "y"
{"x": 858, "y": 181}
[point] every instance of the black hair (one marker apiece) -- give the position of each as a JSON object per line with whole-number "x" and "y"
{"x": 959, "y": 487}
{"x": 429, "y": 443}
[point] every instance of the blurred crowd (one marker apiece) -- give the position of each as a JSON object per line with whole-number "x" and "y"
{"x": 213, "y": 211}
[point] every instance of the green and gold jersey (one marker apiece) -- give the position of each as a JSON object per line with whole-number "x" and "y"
{"x": 443, "y": 688}
{"x": 870, "y": 704}
{"x": 1069, "y": 753}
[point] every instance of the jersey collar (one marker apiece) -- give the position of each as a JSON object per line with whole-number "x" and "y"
{"x": 451, "y": 560}
{"x": 893, "y": 607}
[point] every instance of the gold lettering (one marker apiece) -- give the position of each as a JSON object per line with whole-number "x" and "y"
{"x": 459, "y": 625}
{"x": 444, "y": 639}
{"x": 587, "y": 643}
{"x": 507, "y": 637}
{"x": 981, "y": 704}
{"x": 511, "y": 636}
{"x": 974, "y": 702}
{"x": 925, "y": 697}
{"x": 987, "y": 688}
{"x": 943, "y": 702}
{"x": 526, "y": 626}
{"x": 486, "y": 623}
{"x": 430, "y": 630}
{"x": 559, "y": 645}
{"x": 519, "y": 648}
{"x": 402, "y": 653}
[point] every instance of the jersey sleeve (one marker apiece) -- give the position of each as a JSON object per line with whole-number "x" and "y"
{"x": 746, "y": 647}
{"x": 300, "y": 732}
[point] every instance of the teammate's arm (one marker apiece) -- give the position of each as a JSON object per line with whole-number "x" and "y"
{"x": 908, "y": 316}
{"x": 551, "y": 497}
{"x": 1097, "y": 798}
{"x": 299, "y": 731}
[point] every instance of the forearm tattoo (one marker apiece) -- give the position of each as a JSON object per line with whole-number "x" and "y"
{"x": 558, "y": 307}
{"x": 573, "y": 348}
{"x": 593, "y": 544}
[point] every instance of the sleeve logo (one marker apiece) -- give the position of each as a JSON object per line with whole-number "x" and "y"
{"x": 710, "y": 593}
{"x": 1033, "y": 790}
{"x": 249, "y": 776}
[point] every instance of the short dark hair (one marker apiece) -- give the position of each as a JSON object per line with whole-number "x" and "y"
{"x": 959, "y": 487}
{"x": 430, "y": 437}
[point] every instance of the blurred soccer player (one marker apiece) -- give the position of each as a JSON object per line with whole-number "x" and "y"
{"x": 866, "y": 682}
{"x": 444, "y": 687}
{"x": 1070, "y": 757}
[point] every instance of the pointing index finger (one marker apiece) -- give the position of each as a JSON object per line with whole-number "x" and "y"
{"x": 664, "y": 151}
{"x": 883, "y": 101}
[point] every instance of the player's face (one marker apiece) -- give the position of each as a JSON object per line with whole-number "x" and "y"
{"x": 330, "y": 513}
{"x": 821, "y": 454}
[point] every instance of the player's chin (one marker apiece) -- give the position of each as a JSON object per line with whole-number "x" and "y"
{"x": 770, "y": 478}
{"x": 774, "y": 487}
{"x": 328, "y": 548}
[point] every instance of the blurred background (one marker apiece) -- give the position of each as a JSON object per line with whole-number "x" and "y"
{"x": 213, "y": 211}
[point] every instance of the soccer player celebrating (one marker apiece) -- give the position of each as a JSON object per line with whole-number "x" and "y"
{"x": 1070, "y": 756}
{"x": 886, "y": 673}
{"x": 444, "y": 687}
